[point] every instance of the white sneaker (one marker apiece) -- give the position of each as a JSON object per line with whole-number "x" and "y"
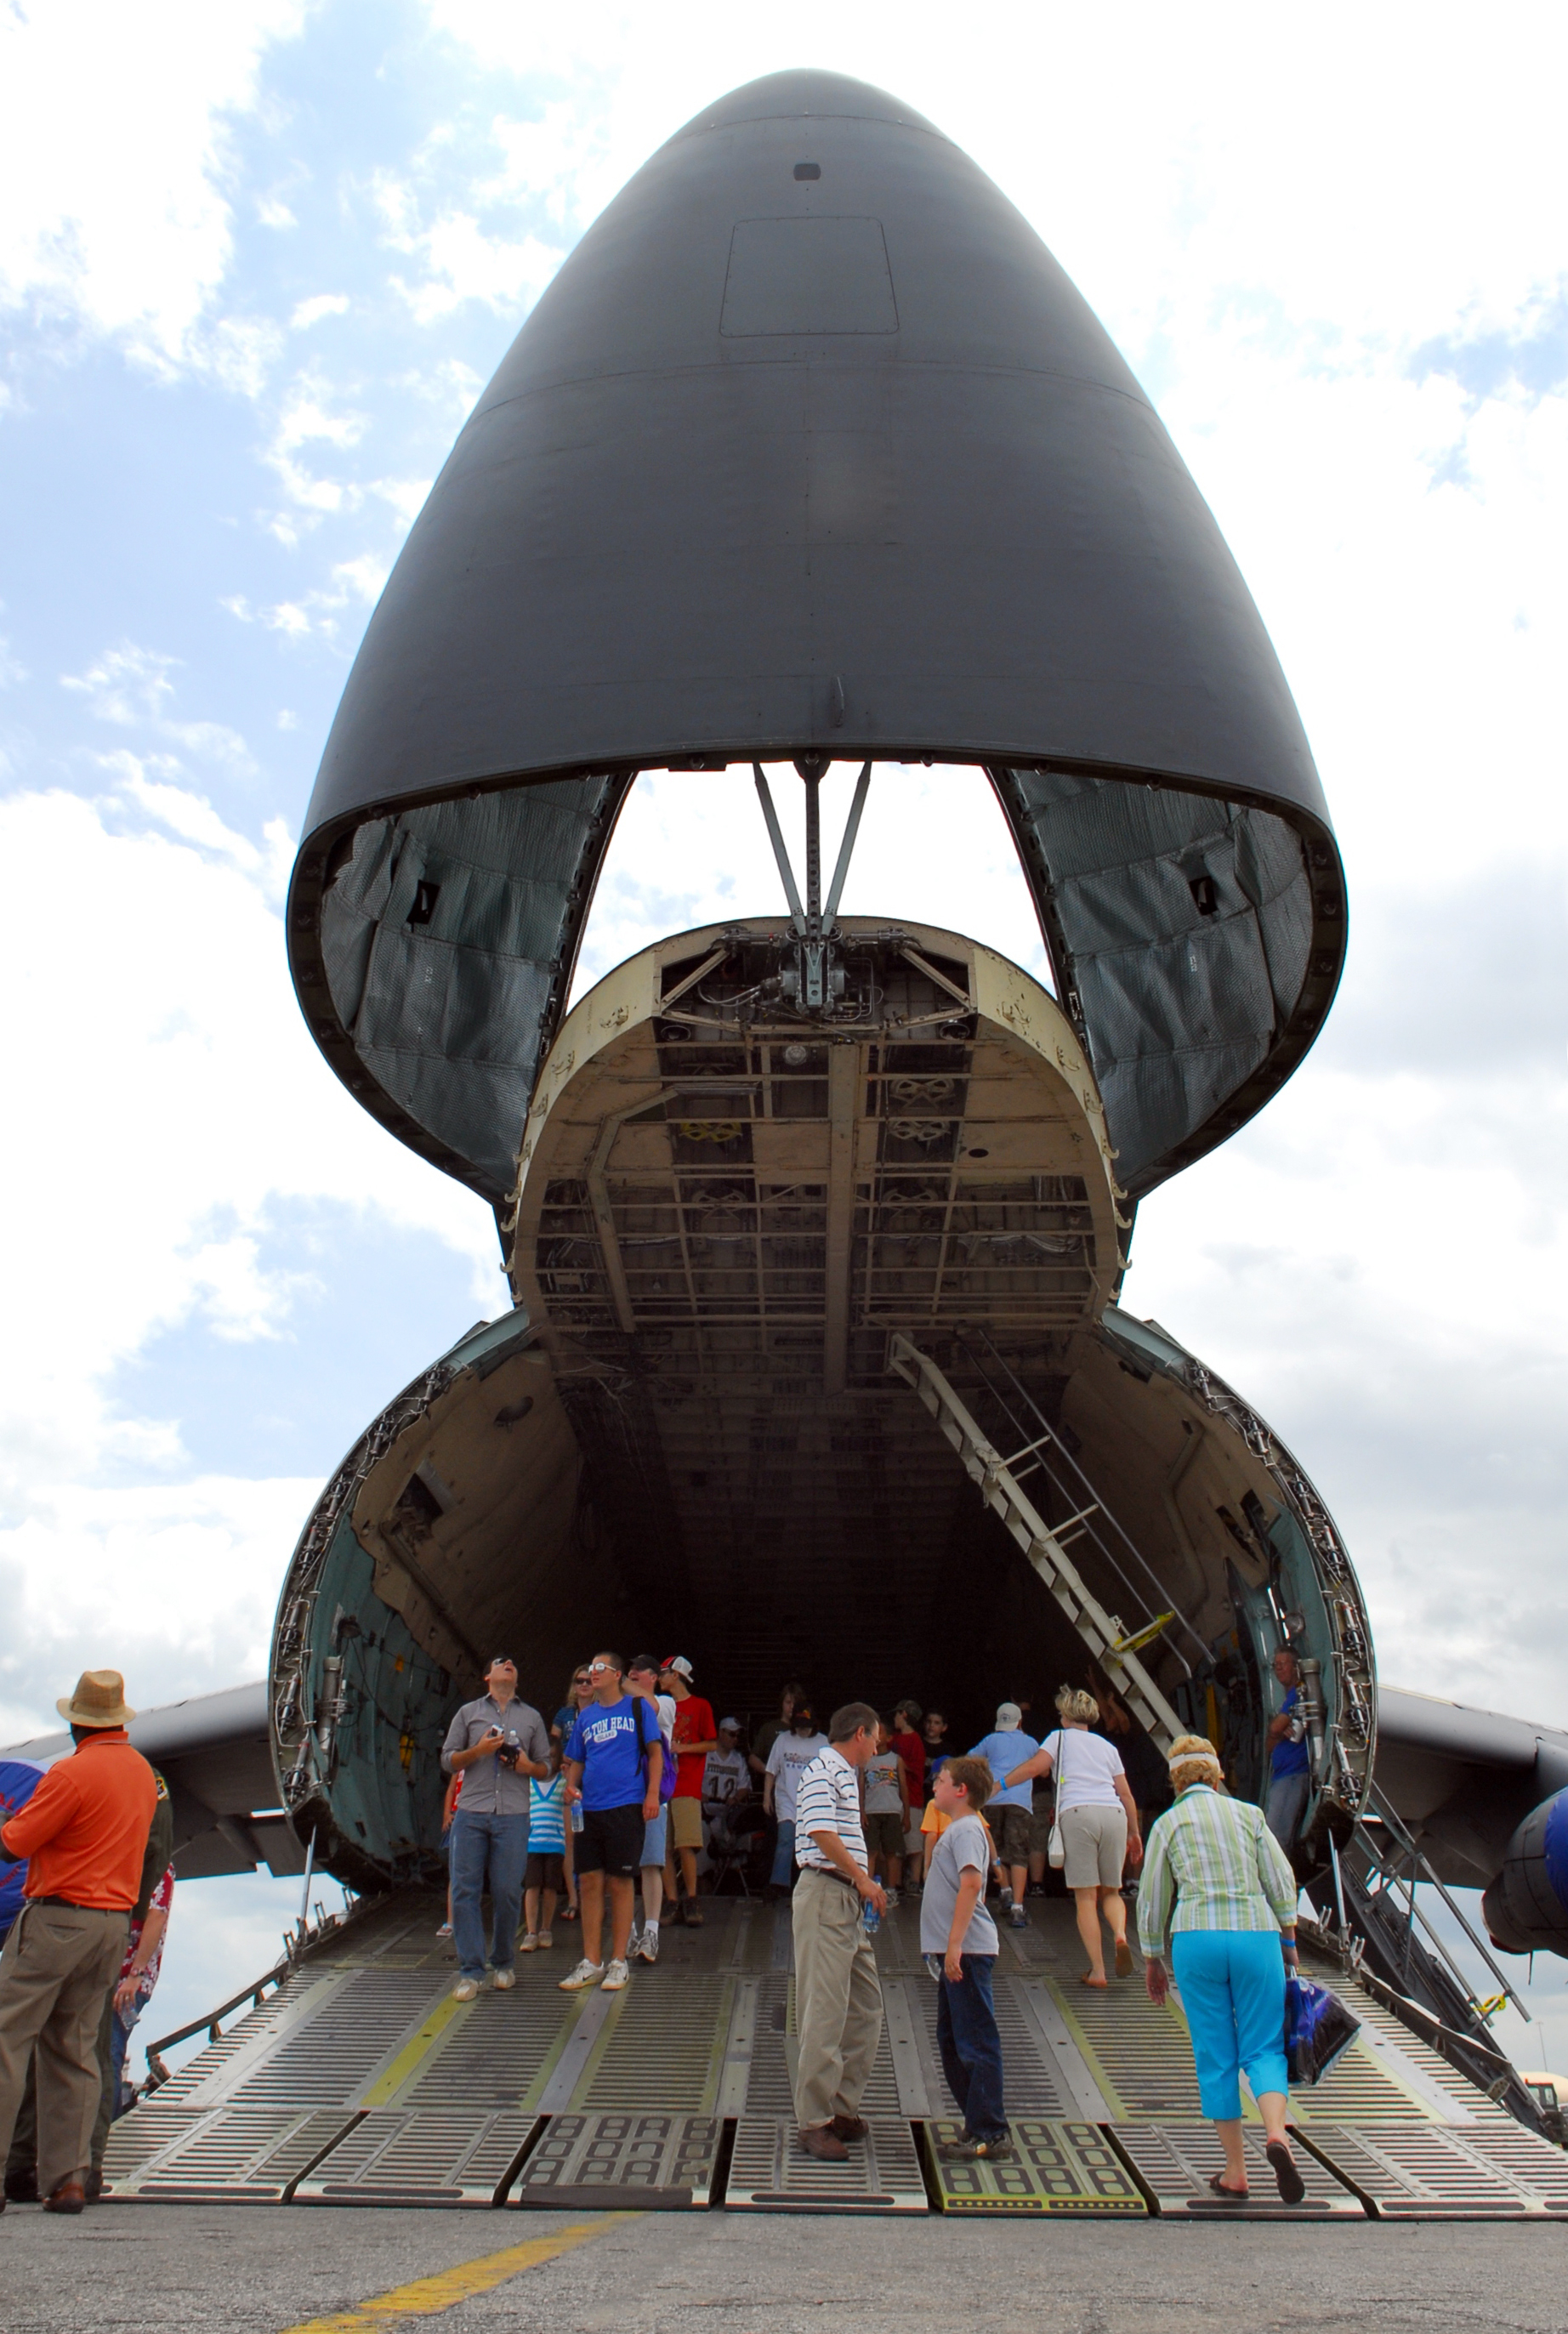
{"x": 892, "y": 1898}
{"x": 530, "y": 1944}
{"x": 504, "y": 1980}
{"x": 465, "y": 1989}
{"x": 546, "y": 1940}
{"x": 615, "y": 1977}
{"x": 585, "y": 1973}
{"x": 648, "y": 1946}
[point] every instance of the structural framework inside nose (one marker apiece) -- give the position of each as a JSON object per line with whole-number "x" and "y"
{"x": 812, "y": 446}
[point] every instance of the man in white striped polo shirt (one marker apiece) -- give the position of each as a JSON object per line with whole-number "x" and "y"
{"x": 837, "y": 1996}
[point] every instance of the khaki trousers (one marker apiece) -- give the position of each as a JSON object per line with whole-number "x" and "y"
{"x": 59, "y": 1963}
{"x": 838, "y": 2000}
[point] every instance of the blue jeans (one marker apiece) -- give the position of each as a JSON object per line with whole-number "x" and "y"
{"x": 970, "y": 2047}
{"x": 1232, "y": 1991}
{"x": 784, "y": 1858}
{"x": 493, "y": 1849}
{"x": 1287, "y": 1805}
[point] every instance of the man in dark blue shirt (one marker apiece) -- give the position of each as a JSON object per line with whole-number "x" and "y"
{"x": 1290, "y": 1766}
{"x": 613, "y": 1759}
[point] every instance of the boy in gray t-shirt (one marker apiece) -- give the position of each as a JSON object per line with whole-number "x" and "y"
{"x": 955, "y": 1924}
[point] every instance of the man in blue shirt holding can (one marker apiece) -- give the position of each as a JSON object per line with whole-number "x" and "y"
{"x": 1290, "y": 1766}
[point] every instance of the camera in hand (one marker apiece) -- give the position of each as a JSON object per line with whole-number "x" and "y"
{"x": 511, "y": 1749}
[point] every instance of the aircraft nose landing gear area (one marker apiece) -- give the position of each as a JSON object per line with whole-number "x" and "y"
{"x": 362, "y": 2081}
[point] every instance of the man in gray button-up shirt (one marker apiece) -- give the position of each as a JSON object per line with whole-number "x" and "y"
{"x": 490, "y": 1833}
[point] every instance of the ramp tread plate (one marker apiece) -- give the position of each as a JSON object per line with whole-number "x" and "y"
{"x": 216, "y": 2057}
{"x": 665, "y": 2048}
{"x": 1140, "y": 2055}
{"x": 233, "y": 2155}
{"x": 650, "y": 2161}
{"x": 328, "y": 2059}
{"x": 770, "y": 2171}
{"x": 1176, "y": 2160}
{"x": 1058, "y": 2168}
{"x": 1431, "y": 2171}
{"x": 498, "y": 2056}
{"x": 404, "y": 2156}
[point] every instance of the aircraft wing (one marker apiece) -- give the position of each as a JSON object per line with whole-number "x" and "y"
{"x": 1463, "y": 1780}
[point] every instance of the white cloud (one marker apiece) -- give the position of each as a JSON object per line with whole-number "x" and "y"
{"x": 311, "y": 312}
{"x": 459, "y": 258}
{"x": 126, "y": 684}
{"x": 177, "y": 1100}
{"x": 353, "y": 583}
{"x": 306, "y": 417}
{"x": 112, "y": 157}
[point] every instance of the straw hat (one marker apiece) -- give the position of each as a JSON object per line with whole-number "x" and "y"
{"x": 99, "y": 1701}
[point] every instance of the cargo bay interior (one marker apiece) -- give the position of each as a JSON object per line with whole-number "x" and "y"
{"x": 690, "y": 1426}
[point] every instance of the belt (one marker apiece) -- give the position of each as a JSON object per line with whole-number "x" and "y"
{"x": 829, "y": 1872}
{"x": 69, "y": 1905}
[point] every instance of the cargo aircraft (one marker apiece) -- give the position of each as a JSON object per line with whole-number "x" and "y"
{"x": 815, "y": 1224}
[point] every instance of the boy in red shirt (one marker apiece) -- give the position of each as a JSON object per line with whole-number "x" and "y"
{"x": 692, "y": 1736}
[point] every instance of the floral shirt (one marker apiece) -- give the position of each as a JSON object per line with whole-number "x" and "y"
{"x": 161, "y": 1899}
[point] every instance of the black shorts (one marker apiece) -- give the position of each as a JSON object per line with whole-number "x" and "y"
{"x": 611, "y": 1841}
{"x": 546, "y": 1872}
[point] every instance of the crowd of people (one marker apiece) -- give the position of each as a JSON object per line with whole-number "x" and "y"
{"x": 92, "y": 1842}
{"x": 633, "y": 1790}
{"x": 633, "y": 1781}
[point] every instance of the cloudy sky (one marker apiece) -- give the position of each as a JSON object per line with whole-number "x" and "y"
{"x": 256, "y": 261}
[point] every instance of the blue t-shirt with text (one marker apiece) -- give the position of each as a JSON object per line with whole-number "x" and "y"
{"x": 606, "y": 1740}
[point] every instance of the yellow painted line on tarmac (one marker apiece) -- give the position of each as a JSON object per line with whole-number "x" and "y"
{"x": 426, "y": 2296}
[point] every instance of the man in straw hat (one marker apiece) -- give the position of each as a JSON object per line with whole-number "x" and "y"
{"x": 83, "y": 1833}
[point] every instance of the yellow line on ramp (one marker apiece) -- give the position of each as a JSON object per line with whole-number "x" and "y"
{"x": 425, "y": 2296}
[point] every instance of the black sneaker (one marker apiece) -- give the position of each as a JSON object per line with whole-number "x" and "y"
{"x": 975, "y": 2151}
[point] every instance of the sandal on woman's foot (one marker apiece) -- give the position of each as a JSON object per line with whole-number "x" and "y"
{"x": 1293, "y": 2187}
{"x": 1227, "y": 2195}
{"x": 1123, "y": 1958}
{"x": 1099, "y": 1984}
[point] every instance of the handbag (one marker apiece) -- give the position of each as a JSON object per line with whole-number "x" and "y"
{"x": 1056, "y": 1846}
{"x": 1319, "y": 2029}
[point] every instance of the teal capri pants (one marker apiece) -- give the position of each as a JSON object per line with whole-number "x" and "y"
{"x": 1233, "y": 1990}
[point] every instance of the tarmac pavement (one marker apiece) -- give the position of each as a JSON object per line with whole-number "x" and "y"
{"x": 262, "y": 2270}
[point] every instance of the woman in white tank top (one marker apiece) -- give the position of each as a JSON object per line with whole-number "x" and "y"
{"x": 1098, "y": 1821}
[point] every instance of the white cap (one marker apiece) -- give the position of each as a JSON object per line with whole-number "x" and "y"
{"x": 679, "y": 1662}
{"x": 1009, "y": 1717}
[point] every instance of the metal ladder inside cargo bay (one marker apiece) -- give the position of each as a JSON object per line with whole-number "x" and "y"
{"x": 1113, "y": 1642}
{"x": 360, "y": 2081}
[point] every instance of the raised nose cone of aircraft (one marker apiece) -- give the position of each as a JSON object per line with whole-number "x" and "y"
{"x": 810, "y": 446}
{"x": 812, "y": 442}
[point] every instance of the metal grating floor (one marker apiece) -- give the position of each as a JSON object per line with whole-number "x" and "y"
{"x": 362, "y": 2081}
{"x": 1430, "y": 2171}
{"x": 770, "y": 2171}
{"x": 1062, "y": 2168}
{"x": 1176, "y": 2160}
{"x": 401, "y": 2156}
{"x": 647, "y": 2160}
{"x": 229, "y": 2155}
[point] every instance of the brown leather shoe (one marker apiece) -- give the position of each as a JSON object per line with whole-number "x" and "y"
{"x": 69, "y": 2197}
{"x": 822, "y": 2142}
{"x": 849, "y": 2127}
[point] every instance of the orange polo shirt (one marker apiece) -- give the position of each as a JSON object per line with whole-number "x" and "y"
{"x": 84, "y": 1831}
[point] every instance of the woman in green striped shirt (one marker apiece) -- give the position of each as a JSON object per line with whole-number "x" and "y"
{"x": 1217, "y": 1894}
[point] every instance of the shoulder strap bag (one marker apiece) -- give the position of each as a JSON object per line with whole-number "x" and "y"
{"x": 1056, "y": 1851}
